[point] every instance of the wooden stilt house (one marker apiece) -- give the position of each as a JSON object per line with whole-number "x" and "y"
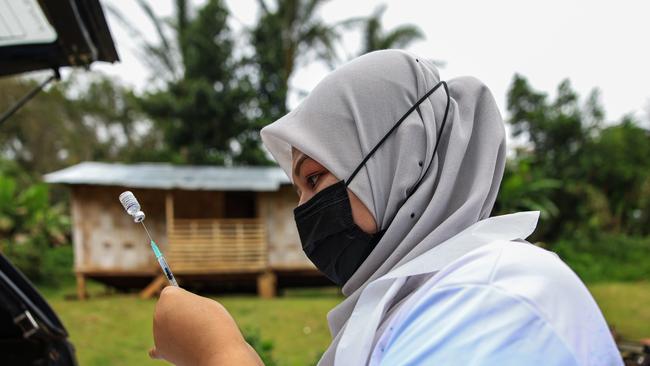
{"x": 212, "y": 223}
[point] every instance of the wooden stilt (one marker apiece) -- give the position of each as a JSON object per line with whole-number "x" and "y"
{"x": 81, "y": 286}
{"x": 266, "y": 285}
{"x": 154, "y": 287}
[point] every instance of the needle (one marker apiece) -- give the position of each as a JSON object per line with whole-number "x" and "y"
{"x": 145, "y": 229}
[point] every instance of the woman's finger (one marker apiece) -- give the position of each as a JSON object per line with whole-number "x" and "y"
{"x": 154, "y": 354}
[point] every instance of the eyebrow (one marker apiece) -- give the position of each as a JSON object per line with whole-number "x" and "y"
{"x": 301, "y": 159}
{"x": 296, "y": 170}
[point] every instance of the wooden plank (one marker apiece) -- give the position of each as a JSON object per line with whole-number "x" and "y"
{"x": 217, "y": 268}
{"x": 226, "y": 221}
{"x": 93, "y": 271}
{"x": 213, "y": 248}
{"x": 154, "y": 287}
{"x": 169, "y": 212}
{"x": 216, "y": 262}
{"x": 266, "y": 285}
{"x": 208, "y": 235}
{"x": 220, "y": 226}
{"x": 298, "y": 266}
{"x": 205, "y": 239}
{"x": 217, "y": 245}
{"x": 81, "y": 287}
{"x": 217, "y": 271}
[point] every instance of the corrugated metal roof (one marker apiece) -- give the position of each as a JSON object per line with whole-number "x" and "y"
{"x": 168, "y": 176}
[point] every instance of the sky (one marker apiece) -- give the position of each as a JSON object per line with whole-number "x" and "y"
{"x": 596, "y": 44}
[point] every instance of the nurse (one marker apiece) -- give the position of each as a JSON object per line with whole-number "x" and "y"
{"x": 396, "y": 173}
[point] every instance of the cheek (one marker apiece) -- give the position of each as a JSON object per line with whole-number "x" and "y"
{"x": 361, "y": 215}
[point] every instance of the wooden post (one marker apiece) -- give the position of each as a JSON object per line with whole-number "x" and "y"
{"x": 221, "y": 205}
{"x": 169, "y": 212}
{"x": 81, "y": 286}
{"x": 261, "y": 210}
{"x": 154, "y": 287}
{"x": 169, "y": 218}
{"x": 266, "y": 285}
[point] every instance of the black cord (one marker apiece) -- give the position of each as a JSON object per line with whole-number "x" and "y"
{"x": 29, "y": 96}
{"x": 398, "y": 123}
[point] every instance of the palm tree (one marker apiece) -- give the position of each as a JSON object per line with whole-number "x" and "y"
{"x": 287, "y": 33}
{"x": 164, "y": 56}
{"x": 376, "y": 38}
{"x": 521, "y": 189}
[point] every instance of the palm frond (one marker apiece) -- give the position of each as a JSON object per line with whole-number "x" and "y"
{"x": 263, "y": 7}
{"x": 157, "y": 23}
{"x": 351, "y": 23}
{"x": 401, "y": 37}
{"x": 310, "y": 9}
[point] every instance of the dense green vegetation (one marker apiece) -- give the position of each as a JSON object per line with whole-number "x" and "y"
{"x": 589, "y": 177}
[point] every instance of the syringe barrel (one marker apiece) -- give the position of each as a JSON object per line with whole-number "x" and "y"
{"x": 168, "y": 273}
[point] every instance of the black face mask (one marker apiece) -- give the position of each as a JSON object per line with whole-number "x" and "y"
{"x": 330, "y": 238}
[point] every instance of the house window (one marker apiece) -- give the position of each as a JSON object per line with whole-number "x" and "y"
{"x": 239, "y": 205}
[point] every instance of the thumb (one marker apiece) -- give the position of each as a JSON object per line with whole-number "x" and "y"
{"x": 153, "y": 353}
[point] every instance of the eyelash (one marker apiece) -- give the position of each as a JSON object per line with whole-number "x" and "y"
{"x": 313, "y": 184}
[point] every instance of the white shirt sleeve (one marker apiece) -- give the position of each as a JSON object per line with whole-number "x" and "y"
{"x": 472, "y": 325}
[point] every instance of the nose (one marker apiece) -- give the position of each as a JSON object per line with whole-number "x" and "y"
{"x": 304, "y": 197}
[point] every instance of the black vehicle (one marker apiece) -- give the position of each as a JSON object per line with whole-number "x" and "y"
{"x": 37, "y": 35}
{"x": 30, "y": 331}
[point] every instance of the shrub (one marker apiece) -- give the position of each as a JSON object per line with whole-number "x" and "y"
{"x": 606, "y": 257}
{"x": 34, "y": 234}
{"x": 42, "y": 264}
{"x": 264, "y": 348}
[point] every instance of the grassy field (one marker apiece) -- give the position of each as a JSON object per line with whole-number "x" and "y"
{"x": 116, "y": 329}
{"x": 626, "y": 307}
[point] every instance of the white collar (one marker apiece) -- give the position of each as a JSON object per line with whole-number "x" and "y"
{"x": 505, "y": 227}
{"x": 358, "y": 334}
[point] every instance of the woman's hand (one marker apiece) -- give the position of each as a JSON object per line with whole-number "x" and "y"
{"x": 192, "y": 330}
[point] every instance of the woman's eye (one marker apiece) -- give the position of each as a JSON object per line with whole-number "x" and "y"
{"x": 313, "y": 179}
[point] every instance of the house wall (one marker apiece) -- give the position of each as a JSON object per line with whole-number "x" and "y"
{"x": 285, "y": 250}
{"x": 107, "y": 240}
{"x": 197, "y": 204}
{"x": 105, "y": 236}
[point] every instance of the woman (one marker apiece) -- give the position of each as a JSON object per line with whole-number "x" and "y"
{"x": 396, "y": 174}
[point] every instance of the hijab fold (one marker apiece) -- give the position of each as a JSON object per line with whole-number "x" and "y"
{"x": 350, "y": 111}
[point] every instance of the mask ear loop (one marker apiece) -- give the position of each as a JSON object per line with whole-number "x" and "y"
{"x": 435, "y": 148}
{"x": 398, "y": 123}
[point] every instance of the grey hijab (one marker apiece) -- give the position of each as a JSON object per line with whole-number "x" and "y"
{"x": 350, "y": 111}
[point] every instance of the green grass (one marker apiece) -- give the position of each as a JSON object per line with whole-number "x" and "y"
{"x": 116, "y": 329}
{"x": 625, "y": 306}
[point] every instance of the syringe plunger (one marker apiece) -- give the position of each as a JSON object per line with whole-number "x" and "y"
{"x": 131, "y": 206}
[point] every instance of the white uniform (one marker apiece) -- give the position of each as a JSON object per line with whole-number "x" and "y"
{"x": 499, "y": 302}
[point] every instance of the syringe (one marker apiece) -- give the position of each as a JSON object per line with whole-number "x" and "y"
{"x": 132, "y": 207}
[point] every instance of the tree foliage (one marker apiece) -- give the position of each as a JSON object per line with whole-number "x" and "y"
{"x": 30, "y": 227}
{"x": 287, "y": 33}
{"x": 203, "y": 112}
{"x": 375, "y": 37}
{"x": 603, "y": 168}
{"x": 72, "y": 122}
